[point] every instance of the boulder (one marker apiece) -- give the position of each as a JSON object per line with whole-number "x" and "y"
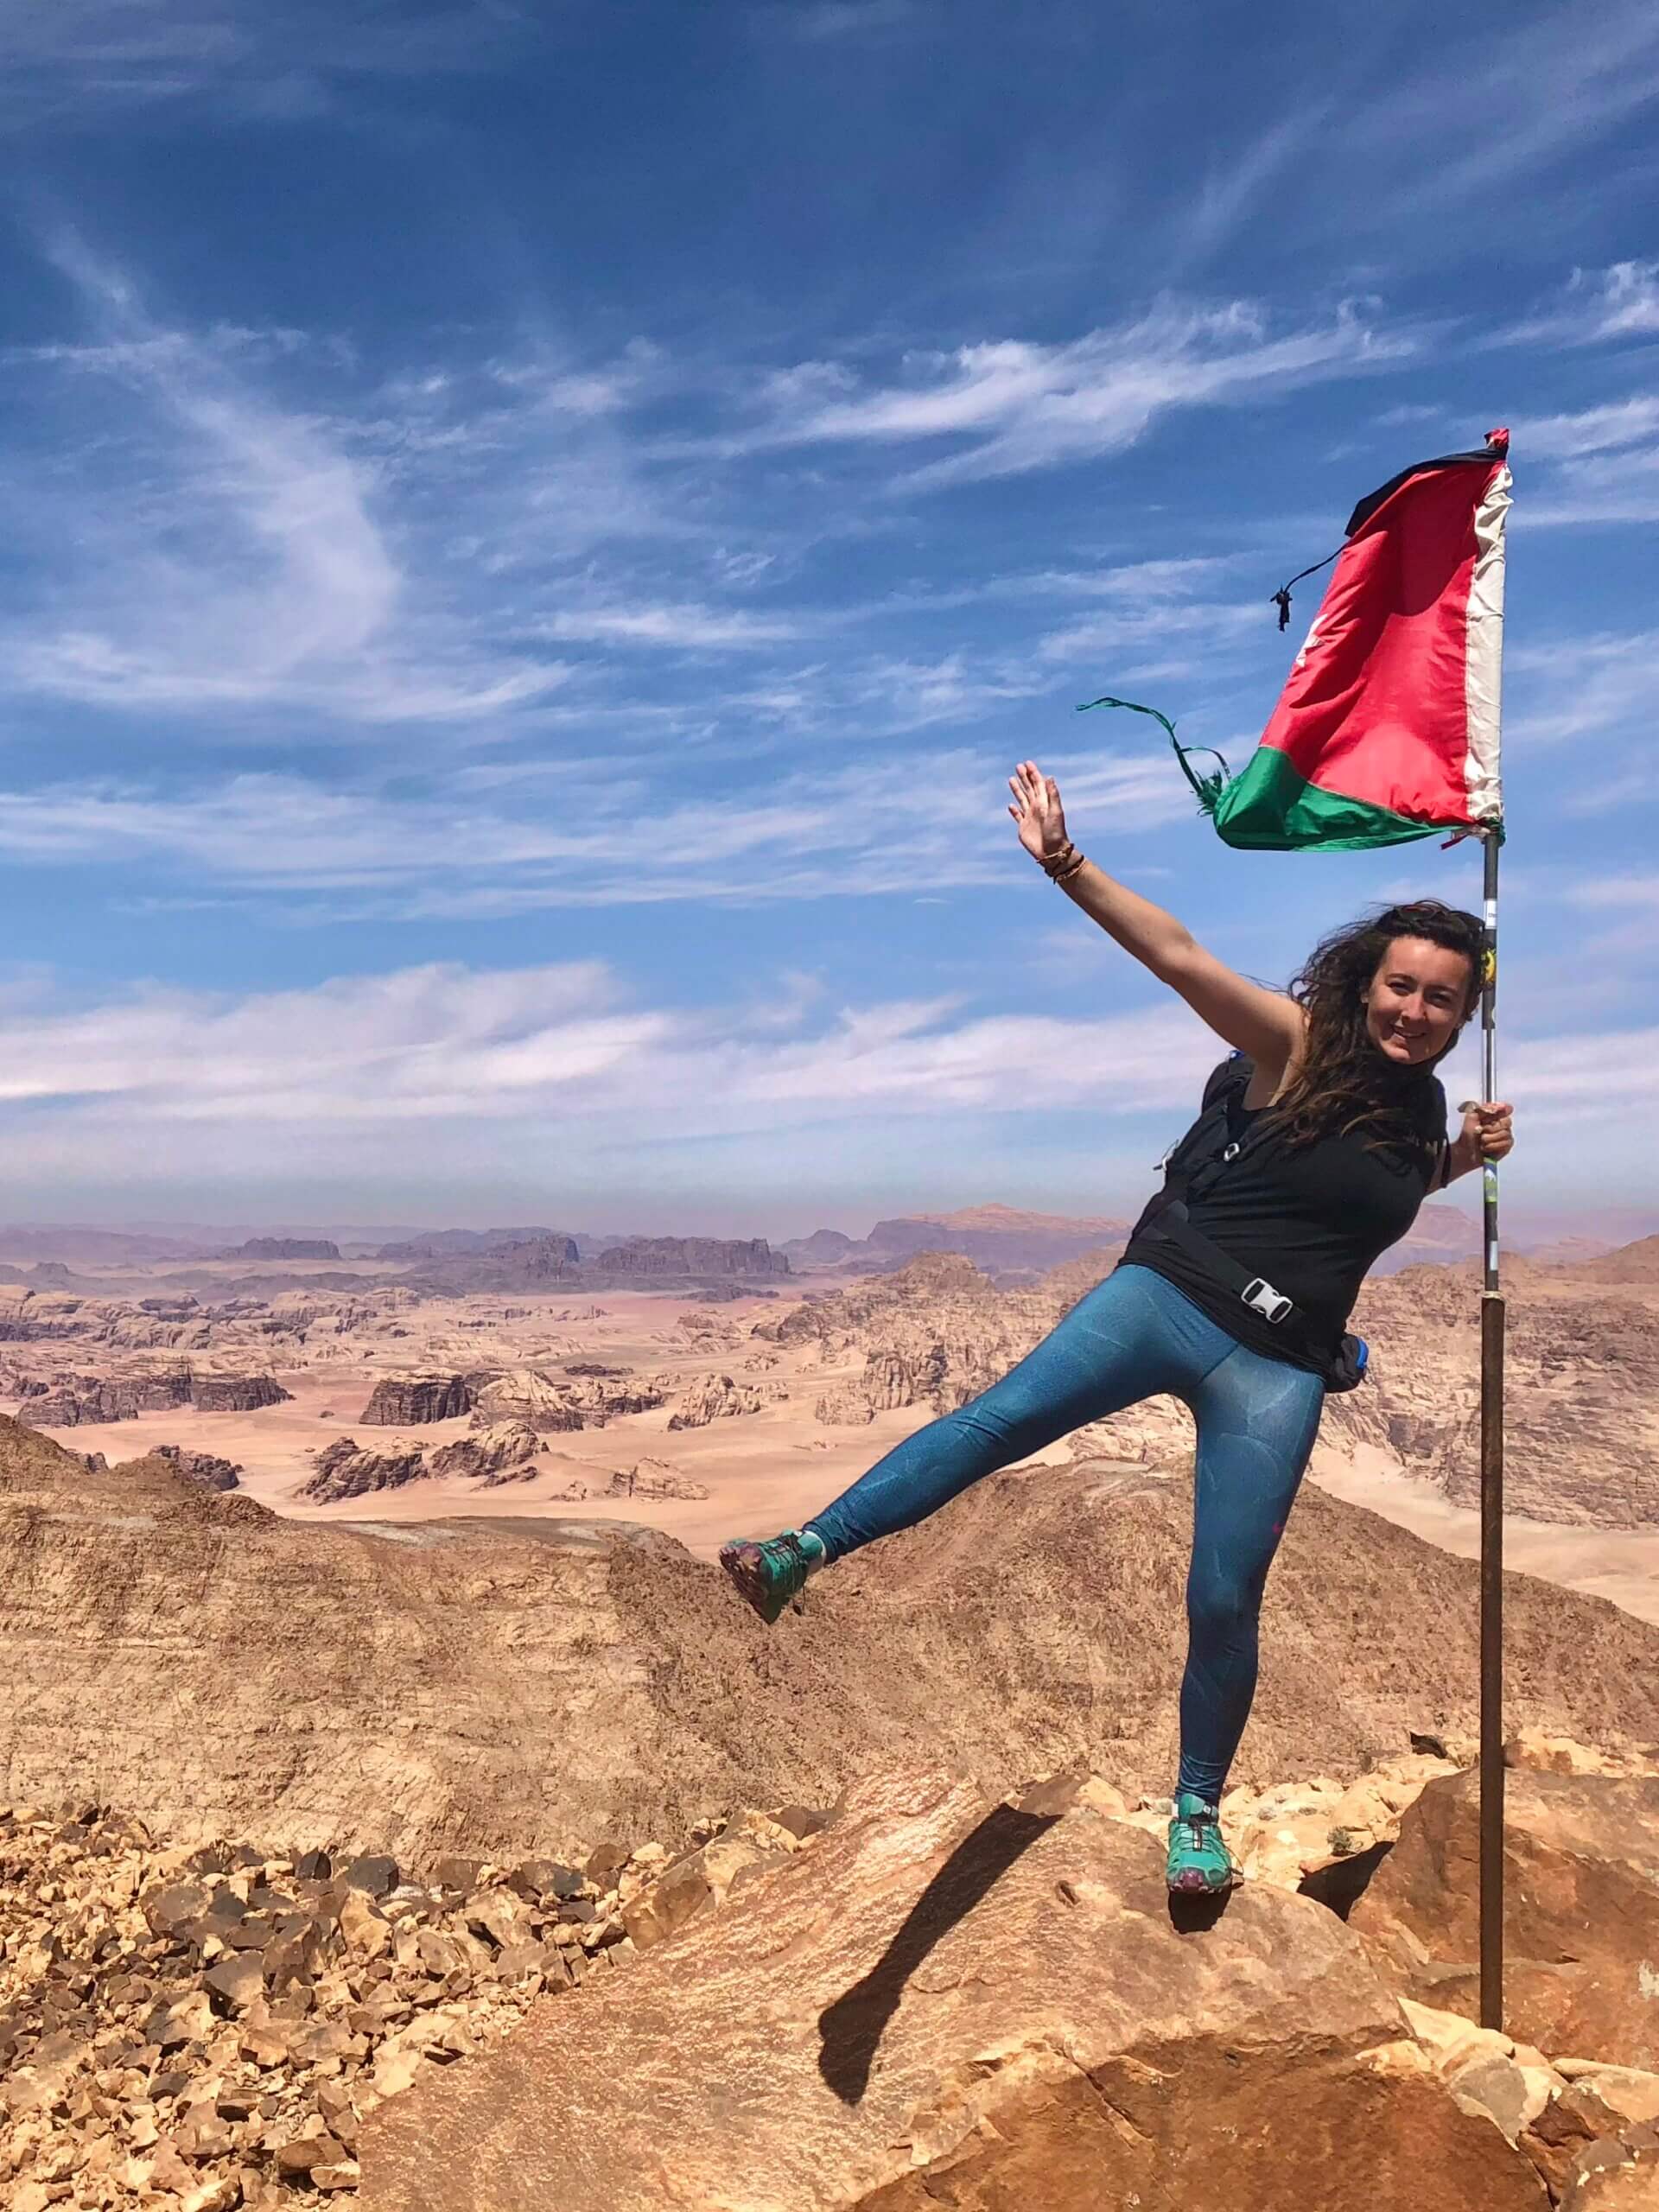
{"x": 946, "y": 2001}
{"x": 1581, "y": 1908}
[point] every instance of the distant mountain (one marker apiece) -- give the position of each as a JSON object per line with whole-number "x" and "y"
{"x": 434, "y": 1244}
{"x": 1631, "y": 1263}
{"x": 284, "y": 1247}
{"x": 1004, "y": 1240}
{"x": 653, "y": 1262}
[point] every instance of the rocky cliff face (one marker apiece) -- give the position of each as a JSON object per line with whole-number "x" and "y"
{"x": 425, "y": 1693}
{"x": 407, "y": 1402}
{"x": 1581, "y": 1394}
{"x": 236, "y": 1394}
{"x": 677, "y": 1256}
{"x": 73, "y": 1400}
{"x": 1582, "y": 1376}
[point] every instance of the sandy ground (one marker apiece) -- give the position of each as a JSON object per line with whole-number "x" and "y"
{"x": 763, "y": 1471}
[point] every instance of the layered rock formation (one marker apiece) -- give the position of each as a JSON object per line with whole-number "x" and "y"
{"x": 404, "y": 1402}
{"x": 1581, "y": 1378}
{"x": 73, "y": 1401}
{"x": 424, "y": 1693}
{"x": 236, "y": 1394}
{"x": 344, "y": 1469}
{"x": 652, "y": 1257}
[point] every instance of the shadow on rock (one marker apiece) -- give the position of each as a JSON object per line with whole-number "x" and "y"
{"x": 852, "y": 2027}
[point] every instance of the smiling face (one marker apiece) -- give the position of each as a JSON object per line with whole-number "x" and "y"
{"x": 1416, "y": 1001}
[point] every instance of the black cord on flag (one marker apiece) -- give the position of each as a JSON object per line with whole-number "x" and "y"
{"x": 1281, "y": 597}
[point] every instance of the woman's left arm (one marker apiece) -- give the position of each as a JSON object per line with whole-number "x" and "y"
{"x": 1488, "y": 1133}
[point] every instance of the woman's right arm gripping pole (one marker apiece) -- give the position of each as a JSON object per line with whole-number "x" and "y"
{"x": 1265, "y": 1024}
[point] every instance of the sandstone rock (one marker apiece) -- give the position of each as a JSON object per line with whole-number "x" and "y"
{"x": 713, "y": 1397}
{"x": 670, "y": 1256}
{"x": 363, "y": 1926}
{"x": 345, "y": 1470}
{"x": 200, "y": 1467}
{"x": 236, "y": 1394}
{"x": 946, "y": 2000}
{"x": 498, "y": 1448}
{"x": 652, "y": 1479}
{"x": 402, "y": 1402}
{"x": 1616, "y": 2176}
{"x": 1582, "y": 1882}
{"x": 121, "y": 1594}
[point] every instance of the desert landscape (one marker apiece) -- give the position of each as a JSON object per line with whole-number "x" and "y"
{"x": 708, "y": 1388}
{"x": 363, "y": 1595}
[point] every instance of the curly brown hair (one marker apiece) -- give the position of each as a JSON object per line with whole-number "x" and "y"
{"x": 1344, "y": 1085}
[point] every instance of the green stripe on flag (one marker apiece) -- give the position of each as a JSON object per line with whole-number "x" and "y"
{"x": 1270, "y": 807}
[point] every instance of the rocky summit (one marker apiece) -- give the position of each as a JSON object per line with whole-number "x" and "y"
{"x": 941, "y": 1999}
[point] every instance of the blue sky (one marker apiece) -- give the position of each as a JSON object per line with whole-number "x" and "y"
{"x": 536, "y": 534}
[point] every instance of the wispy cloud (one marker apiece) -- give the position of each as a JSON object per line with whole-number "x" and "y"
{"x": 691, "y": 628}
{"x": 511, "y": 843}
{"x": 240, "y": 559}
{"x": 1586, "y": 687}
{"x": 283, "y": 60}
{"x": 1493, "y": 108}
{"x": 1597, "y": 307}
{"x": 1593, "y": 429}
{"x": 1015, "y": 405}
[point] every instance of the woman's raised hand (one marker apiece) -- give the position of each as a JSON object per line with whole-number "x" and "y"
{"x": 1037, "y": 810}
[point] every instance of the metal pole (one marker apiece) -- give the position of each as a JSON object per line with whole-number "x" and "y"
{"x": 1491, "y": 1508}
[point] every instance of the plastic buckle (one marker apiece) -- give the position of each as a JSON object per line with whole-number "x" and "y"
{"x": 1262, "y": 1297}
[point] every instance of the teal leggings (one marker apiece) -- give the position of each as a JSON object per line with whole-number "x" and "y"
{"x": 1135, "y": 1336}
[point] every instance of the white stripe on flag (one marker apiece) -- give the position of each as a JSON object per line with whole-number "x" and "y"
{"x": 1484, "y": 666}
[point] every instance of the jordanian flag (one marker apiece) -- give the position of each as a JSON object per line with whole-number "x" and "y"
{"x": 1387, "y": 728}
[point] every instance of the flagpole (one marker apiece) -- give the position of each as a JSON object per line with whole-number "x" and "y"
{"x": 1491, "y": 1503}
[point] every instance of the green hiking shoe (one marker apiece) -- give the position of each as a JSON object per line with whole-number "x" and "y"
{"x": 769, "y": 1574}
{"x": 1199, "y": 1862}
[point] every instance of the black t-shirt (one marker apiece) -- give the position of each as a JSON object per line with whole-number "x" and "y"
{"x": 1312, "y": 1219}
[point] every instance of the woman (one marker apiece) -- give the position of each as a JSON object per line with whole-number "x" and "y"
{"x": 1319, "y": 1141}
